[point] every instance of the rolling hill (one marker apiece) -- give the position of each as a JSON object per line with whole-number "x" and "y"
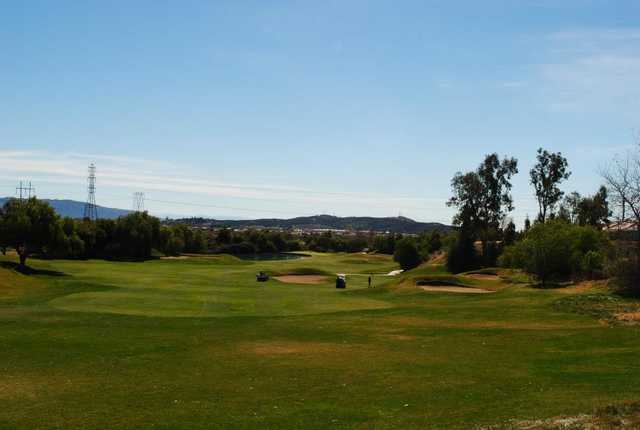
{"x": 390, "y": 224}
{"x": 75, "y": 209}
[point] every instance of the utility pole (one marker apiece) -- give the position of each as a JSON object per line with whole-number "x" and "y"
{"x": 90, "y": 209}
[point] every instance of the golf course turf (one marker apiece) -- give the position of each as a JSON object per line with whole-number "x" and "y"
{"x": 197, "y": 343}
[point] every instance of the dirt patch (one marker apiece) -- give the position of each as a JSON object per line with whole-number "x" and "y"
{"x": 483, "y": 276}
{"x": 14, "y": 388}
{"x": 286, "y": 348}
{"x": 624, "y": 416}
{"x": 465, "y": 290}
{"x": 437, "y": 258}
{"x": 607, "y": 308}
{"x": 302, "y": 279}
{"x": 628, "y": 317}
{"x": 584, "y": 287}
{"x": 401, "y": 337}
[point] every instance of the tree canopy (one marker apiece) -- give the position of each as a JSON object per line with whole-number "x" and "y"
{"x": 549, "y": 171}
{"x": 28, "y": 226}
{"x": 483, "y": 197}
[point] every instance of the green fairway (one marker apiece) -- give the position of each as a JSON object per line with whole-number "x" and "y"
{"x": 197, "y": 343}
{"x": 218, "y": 286}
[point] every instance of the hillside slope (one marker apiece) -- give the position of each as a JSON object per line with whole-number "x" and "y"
{"x": 75, "y": 209}
{"x": 390, "y": 224}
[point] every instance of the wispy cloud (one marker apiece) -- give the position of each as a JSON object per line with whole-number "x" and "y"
{"x": 593, "y": 70}
{"x": 125, "y": 174}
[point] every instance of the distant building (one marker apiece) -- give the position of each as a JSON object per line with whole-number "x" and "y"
{"x": 623, "y": 225}
{"x": 623, "y": 230}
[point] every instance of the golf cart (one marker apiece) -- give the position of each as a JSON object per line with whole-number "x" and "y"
{"x": 341, "y": 281}
{"x": 262, "y": 277}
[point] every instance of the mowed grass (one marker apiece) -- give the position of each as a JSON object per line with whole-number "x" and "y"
{"x": 218, "y": 287}
{"x": 199, "y": 344}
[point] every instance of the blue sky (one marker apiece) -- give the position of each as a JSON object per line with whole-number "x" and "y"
{"x": 286, "y": 108}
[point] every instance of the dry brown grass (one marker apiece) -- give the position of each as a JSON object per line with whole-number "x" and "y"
{"x": 14, "y": 284}
{"x": 292, "y": 347}
{"x": 483, "y": 277}
{"x": 625, "y": 416}
{"x": 416, "y": 322}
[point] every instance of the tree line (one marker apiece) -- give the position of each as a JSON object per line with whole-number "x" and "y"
{"x": 566, "y": 240}
{"x": 32, "y": 227}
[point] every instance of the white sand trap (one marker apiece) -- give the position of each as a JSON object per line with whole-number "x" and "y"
{"x": 468, "y": 290}
{"x": 302, "y": 279}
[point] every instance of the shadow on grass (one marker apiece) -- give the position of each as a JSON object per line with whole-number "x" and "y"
{"x": 30, "y": 270}
{"x": 552, "y": 285}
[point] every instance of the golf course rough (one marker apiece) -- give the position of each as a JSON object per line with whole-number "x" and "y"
{"x": 197, "y": 343}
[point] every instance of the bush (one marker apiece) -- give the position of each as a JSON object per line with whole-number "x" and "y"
{"x": 462, "y": 254}
{"x": 238, "y": 248}
{"x": 557, "y": 250}
{"x": 406, "y": 254}
{"x": 625, "y": 269}
{"x": 385, "y": 244}
{"x": 592, "y": 264}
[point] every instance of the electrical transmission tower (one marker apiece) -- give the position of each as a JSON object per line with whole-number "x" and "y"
{"x": 138, "y": 202}
{"x": 90, "y": 209}
{"x": 24, "y": 191}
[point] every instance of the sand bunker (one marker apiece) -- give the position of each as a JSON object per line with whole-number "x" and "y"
{"x": 453, "y": 289}
{"x": 302, "y": 279}
{"x": 628, "y": 317}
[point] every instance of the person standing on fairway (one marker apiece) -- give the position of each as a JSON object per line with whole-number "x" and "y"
{"x": 369, "y": 281}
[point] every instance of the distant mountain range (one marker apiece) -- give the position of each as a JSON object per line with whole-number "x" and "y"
{"x": 75, "y": 209}
{"x": 391, "y": 224}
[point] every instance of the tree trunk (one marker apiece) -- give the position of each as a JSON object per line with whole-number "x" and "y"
{"x": 22, "y": 255}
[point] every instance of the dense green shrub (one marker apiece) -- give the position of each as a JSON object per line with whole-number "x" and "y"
{"x": 406, "y": 254}
{"x": 386, "y": 243}
{"x": 624, "y": 268}
{"x": 557, "y": 250}
{"x": 428, "y": 243}
{"x": 462, "y": 255}
{"x": 238, "y": 248}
